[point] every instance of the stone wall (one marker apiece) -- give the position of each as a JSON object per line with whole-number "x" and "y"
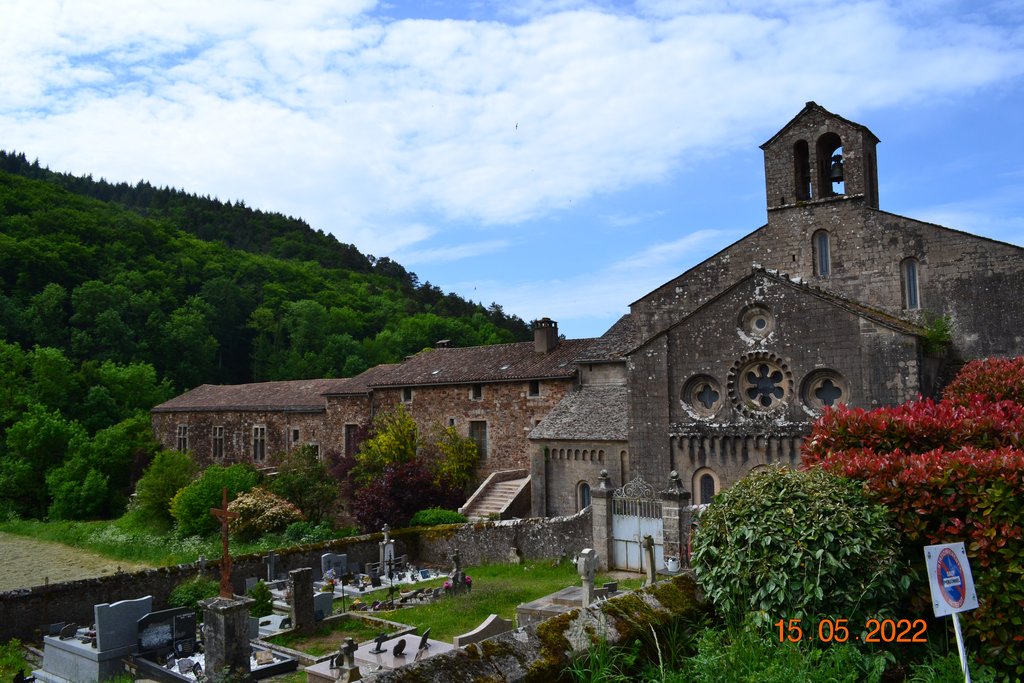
{"x": 507, "y": 408}
{"x": 560, "y": 466}
{"x": 238, "y": 432}
{"x": 972, "y": 279}
{"x": 23, "y": 611}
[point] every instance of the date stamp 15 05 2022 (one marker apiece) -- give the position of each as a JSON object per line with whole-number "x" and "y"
{"x": 838, "y": 631}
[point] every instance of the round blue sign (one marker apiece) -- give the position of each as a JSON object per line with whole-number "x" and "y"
{"x": 951, "y": 577}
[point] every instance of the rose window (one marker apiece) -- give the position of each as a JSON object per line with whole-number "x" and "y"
{"x": 763, "y": 387}
{"x": 824, "y": 389}
{"x": 702, "y": 396}
{"x": 760, "y": 382}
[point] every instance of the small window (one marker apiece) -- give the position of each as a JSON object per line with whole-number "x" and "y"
{"x": 822, "y": 255}
{"x": 295, "y": 435}
{"x": 259, "y": 443}
{"x": 478, "y": 432}
{"x": 407, "y": 394}
{"x": 705, "y": 485}
{"x": 582, "y": 496}
{"x": 534, "y": 387}
{"x": 476, "y": 392}
{"x": 911, "y": 292}
{"x": 351, "y": 439}
{"x": 181, "y": 437}
{"x": 218, "y": 443}
{"x": 451, "y": 421}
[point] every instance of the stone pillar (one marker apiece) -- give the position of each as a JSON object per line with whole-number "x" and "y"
{"x": 601, "y": 511}
{"x": 303, "y": 612}
{"x": 675, "y": 518}
{"x": 538, "y": 485}
{"x": 226, "y": 634}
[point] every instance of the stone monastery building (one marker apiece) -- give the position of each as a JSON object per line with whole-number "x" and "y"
{"x": 713, "y": 374}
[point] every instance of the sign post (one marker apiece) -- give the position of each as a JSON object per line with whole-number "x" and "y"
{"x": 952, "y": 588}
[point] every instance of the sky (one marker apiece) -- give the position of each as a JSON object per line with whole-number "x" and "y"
{"x": 559, "y": 158}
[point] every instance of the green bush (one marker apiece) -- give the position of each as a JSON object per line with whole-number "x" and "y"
{"x": 264, "y": 604}
{"x": 787, "y": 544}
{"x": 190, "y": 507}
{"x": 302, "y": 478}
{"x": 435, "y": 516}
{"x": 307, "y": 532}
{"x": 188, "y": 593}
{"x": 169, "y": 472}
{"x": 12, "y": 660}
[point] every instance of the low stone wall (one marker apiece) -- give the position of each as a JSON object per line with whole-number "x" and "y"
{"x": 541, "y": 653}
{"x": 23, "y": 611}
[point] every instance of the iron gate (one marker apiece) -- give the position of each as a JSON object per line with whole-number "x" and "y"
{"x": 636, "y": 512}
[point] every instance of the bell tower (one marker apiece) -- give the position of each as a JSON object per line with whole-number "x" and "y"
{"x": 819, "y": 156}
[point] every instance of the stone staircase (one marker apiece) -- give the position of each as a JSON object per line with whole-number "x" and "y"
{"x": 499, "y": 497}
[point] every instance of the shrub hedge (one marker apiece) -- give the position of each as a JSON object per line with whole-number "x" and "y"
{"x": 949, "y": 471}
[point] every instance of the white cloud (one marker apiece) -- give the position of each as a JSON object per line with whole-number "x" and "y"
{"x": 321, "y": 110}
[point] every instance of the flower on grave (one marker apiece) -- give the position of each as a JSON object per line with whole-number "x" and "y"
{"x": 469, "y": 583}
{"x": 448, "y": 585}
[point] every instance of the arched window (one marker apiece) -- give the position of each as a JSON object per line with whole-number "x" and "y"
{"x": 802, "y": 170}
{"x": 911, "y": 292}
{"x": 705, "y": 485}
{"x": 822, "y": 253}
{"x": 582, "y": 495}
{"x": 831, "y": 177}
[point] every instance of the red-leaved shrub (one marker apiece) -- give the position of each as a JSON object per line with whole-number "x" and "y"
{"x": 949, "y": 471}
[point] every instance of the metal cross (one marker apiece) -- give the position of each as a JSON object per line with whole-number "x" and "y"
{"x": 225, "y": 516}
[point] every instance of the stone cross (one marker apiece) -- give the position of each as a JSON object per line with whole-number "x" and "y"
{"x": 386, "y": 529}
{"x": 271, "y": 561}
{"x": 648, "y": 545}
{"x": 586, "y": 565}
{"x": 225, "y": 516}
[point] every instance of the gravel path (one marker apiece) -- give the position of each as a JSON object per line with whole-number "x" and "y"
{"x": 26, "y": 562}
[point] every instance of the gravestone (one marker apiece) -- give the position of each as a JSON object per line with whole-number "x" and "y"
{"x": 491, "y": 626}
{"x": 329, "y": 561}
{"x": 457, "y": 576}
{"x": 303, "y": 612}
{"x": 226, "y": 633}
{"x": 117, "y": 624}
{"x": 323, "y": 605}
{"x": 586, "y": 565}
{"x": 168, "y": 631}
{"x": 649, "y": 568}
{"x": 378, "y": 643}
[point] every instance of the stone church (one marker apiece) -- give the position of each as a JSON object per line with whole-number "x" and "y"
{"x": 718, "y": 372}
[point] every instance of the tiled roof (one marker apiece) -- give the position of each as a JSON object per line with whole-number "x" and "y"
{"x": 297, "y": 395}
{"x": 614, "y": 344}
{"x": 495, "y": 363}
{"x": 362, "y": 383}
{"x": 594, "y": 413}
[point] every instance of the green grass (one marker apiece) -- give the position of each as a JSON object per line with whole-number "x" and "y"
{"x": 328, "y": 637}
{"x": 129, "y": 540}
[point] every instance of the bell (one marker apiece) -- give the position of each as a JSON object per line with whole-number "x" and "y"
{"x": 836, "y": 174}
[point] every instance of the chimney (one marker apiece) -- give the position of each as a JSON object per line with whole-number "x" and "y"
{"x": 545, "y": 335}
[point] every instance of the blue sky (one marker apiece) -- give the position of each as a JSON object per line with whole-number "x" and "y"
{"x": 559, "y": 158}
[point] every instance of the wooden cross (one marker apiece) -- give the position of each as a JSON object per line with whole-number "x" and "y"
{"x": 225, "y": 516}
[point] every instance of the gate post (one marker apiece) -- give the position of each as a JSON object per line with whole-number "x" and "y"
{"x": 676, "y": 519}
{"x": 601, "y": 516}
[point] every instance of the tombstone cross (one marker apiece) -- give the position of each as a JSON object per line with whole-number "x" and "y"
{"x": 225, "y": 516}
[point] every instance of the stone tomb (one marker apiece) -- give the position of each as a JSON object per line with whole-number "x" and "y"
{"x": 89, "y": 656}
{"x": 390, "y": 654}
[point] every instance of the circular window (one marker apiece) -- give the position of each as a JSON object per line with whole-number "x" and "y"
{"x": 702, "y": 395}
{"x": 756, "y": 321}
{"x": 759, "y": 383}
{"x": 824, "y": 389}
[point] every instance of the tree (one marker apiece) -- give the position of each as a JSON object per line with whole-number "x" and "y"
{"x": 169, "y": 472}
{"x": 401, "y": 490}
{"x": 302, "y": 478}
{"x": 191, "y": 506}
{"x": 395, "y": 441}
{"x": 457, "y": 458}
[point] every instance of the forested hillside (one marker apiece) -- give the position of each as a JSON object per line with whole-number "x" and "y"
{"x": 116, "y": 297}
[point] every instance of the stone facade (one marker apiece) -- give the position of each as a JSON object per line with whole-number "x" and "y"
{"x": 831, "y": 301}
